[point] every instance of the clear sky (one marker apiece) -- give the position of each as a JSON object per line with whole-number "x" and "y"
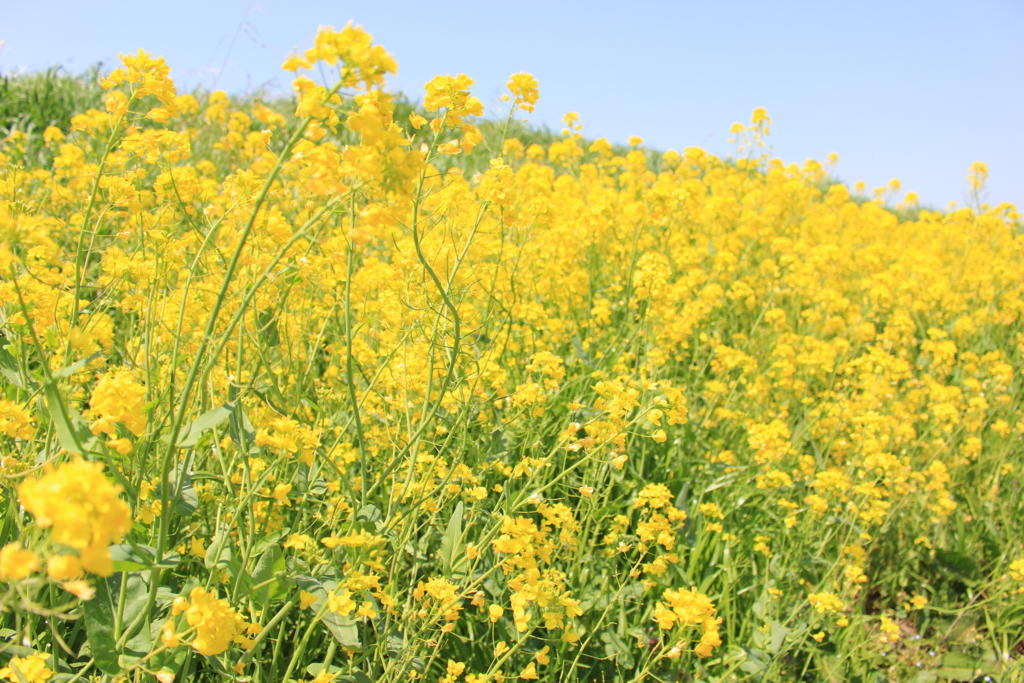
{"x": 906, "y": 89}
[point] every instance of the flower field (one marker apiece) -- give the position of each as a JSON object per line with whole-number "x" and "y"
{"x": 354, "y": 391}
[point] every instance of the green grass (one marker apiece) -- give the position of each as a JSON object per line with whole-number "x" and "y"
{"x": 33, "y": 101}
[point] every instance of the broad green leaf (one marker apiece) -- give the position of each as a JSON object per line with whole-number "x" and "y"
{"x": 354, "y": 677}
{"x": 185, "y": 498}
{"x": 133, "y": 558}
{"x": 967, "y": 667}
{"x": 370, "y": 513}
{"x": 204, "y": 423}
{"x": 273, "y": 538}
{"x": 99, "y": 614}
{"x": 343, "y": 629}
{"x": 218, "y": 554}
{"x": 778, "y": 637}
{"x": 323, "y": 667}
{"x": 684, "y": 496}
{"x": 240, "y": 429}
{"x": 9, "y": 368}
{"x": 617, "y": 650}
{"x": 451, "y": 540}
{"x": 9, "y": 650}
{"x": 265, "y": 586}
{"x": 72, "y": 433}
{"x": 69, "y": 370}
{"x": 755, "y": 663}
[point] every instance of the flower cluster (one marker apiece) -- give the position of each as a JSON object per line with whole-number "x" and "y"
{"x": 211, "y": 622}
{"x": 82, "y": 510}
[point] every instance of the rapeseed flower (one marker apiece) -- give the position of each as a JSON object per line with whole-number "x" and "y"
{"x": 81, "y": 508}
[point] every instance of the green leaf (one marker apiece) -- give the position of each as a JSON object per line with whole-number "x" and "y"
{"x": 219, "y": 552}
{"x": 9, "y": 368}
{"x": 16, "y": 650}
{"x": 951, "y": 673}
{"x": 755, "y": 663}
{"x": 273, "y": 538}
{"x": 957, "y": 562}
{"x": 323, "y": 667}
{"x": 69, "y": 370}
{"x": 617, "y": 650}
{"x": 271, "y": 563}
{"x": 240, "y": 429}
{"x": 133, "y": 558}
{"x": 186, "y": 500}
{"x": 354, "y": 677}
{"x": 72, "y": 433}
{"x": 343, "y": 629}
{"x": 98, "y": 615}
{"x": 684, "y": 496}
{"x": 778, "y": 637}
{"x": 725, "y": 480}
{"x": 204, "y": 423}
{"x": 760, "y": 607}
{"x": 370, "y": 513}
{"x": 452, "y": 536}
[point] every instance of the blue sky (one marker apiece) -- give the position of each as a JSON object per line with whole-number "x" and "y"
{"x": 912, "y": 90}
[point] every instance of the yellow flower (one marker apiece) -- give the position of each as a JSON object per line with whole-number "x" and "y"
{"x": 306, "y": 599}
{"x": 81, "y": 589}
{"x": 216, "y": 624}
{"x": 17, "y": 563}
{"x": 451, "y": 93}
{"x": 280, "y": 494}
{"x": 367, "y": 610}
{"x": 523, "y": 87}
{"x": 529, "y": 673}
{"x": 296, "y": 62}
{"x": 15, "y": 421}
{"x": 341, "y": 603}
{"x": 826, "y": 603}
{"x": 117, "y": 397}
{"x": 63, "y": 567}
{"x": 890, "y": 630}
{"x": 146, "y": 75}
{"x": 82, "y": 509}
{"x": 416, "y": 121}
{"x": 655, "y": 496}
{"x": 978, "y": 175}
{"x": 443, "y": 593}
{"x": 690, "y": 608}
{"x": 30, "y": 669}
{"x": 197, "y": 547}
{"x": 363, "y": 64}
{"x": 452, "y": 671}
{"x": 168, "y": 636}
